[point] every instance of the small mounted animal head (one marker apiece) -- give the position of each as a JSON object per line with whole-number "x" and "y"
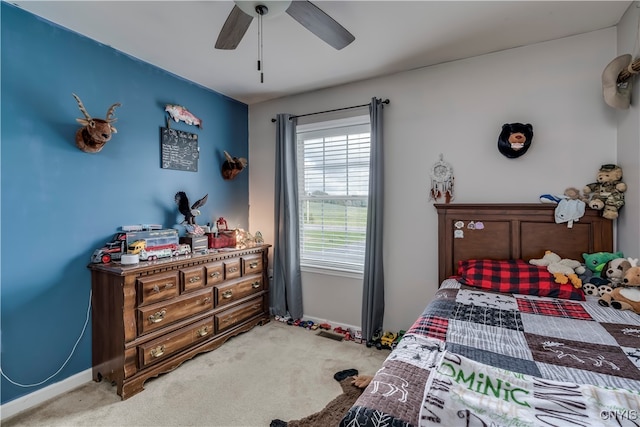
{"x": 94, "y": 133}
{"x": 232, "y": 166}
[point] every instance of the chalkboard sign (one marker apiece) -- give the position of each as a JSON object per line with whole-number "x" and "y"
{"x": 179, "y": 150}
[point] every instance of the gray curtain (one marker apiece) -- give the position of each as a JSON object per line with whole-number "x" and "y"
{"x": 286, "y": 289}
{"x": 373, "y": 283}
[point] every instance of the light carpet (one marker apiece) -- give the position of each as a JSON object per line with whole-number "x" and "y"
{"x": 275, "y": 371}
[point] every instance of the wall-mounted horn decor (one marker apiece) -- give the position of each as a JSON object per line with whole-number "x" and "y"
{"x": 232, "y": 166}
{"x": 94, "y": 133}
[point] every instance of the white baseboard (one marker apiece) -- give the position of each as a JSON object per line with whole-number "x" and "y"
{"x": 39, "y": 396}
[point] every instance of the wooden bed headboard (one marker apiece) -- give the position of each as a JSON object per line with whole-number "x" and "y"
{"x": 514, "y": 231}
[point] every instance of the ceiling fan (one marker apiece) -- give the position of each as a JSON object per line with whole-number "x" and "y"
{"x": 306, "y": 13}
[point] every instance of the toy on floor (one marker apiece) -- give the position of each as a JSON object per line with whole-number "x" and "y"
{"x": 386, "y": 340}
{"x": 283, "y": 319}
{"x": 395, "y": 342}
{"x": 375, "y": 338}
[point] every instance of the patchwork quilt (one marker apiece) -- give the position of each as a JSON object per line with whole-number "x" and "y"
{"x": 482, "y": 358}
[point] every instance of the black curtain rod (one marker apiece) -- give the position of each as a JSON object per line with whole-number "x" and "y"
{"x": 386, "y": 101}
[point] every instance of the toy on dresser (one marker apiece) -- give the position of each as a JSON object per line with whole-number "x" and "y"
{"x": 190, "y": 212}
{"x": 221, "y": 236}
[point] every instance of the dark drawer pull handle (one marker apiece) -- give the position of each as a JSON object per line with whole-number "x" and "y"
{"x": 158, "y": 316}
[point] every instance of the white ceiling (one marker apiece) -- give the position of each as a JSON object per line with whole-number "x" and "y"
{"x": 391, "y": 36}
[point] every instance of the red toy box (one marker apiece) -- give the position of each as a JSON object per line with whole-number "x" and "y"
{"x": 225, "y": 239}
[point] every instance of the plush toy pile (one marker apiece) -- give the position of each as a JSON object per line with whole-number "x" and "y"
{"x": 597, "y": 260}
{"x": 615, "y": 280}
{"x": 626, "y": 296}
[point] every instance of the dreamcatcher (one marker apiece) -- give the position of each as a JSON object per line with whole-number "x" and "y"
{"x": 441, "y": 181}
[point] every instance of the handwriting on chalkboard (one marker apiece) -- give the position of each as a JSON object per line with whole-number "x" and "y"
{"x": 179, "y": 150}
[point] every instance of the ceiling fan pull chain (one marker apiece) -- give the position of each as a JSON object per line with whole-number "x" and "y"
{"x": 261, "y": 10}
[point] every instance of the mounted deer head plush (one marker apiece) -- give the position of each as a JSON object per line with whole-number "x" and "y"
{"x": 232, "y": 166}
{"x": 94, "y": 133}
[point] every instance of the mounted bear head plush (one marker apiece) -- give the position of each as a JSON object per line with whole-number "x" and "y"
{"x": 515, "y": 139}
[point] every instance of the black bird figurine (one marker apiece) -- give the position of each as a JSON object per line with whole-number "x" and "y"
{"x": 190, "y": 212}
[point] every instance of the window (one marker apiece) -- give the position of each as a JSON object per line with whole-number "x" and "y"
{"x": 333, "y": 188}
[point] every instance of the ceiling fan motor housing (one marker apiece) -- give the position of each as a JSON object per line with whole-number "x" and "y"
{"x": 261, "y": 8}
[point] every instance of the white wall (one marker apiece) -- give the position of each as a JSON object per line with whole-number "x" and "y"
{"x": 629, "y": 139}
{"x": 456, "y": 109}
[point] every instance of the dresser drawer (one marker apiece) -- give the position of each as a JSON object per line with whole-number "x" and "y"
{"x": 230, "y": 318}
{"x": 232, "y": 268}
{"x": 159, "y": 315}
{"x": 192, "y": 278}
{"x": 251, "y": 264}
{"x": 166, "y": 345}
{"x": 214, "y": 272}
{"x": 158, "y": 287}
{"x": 229, "y": 292}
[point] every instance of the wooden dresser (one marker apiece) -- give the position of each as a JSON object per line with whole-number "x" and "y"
{"x": 150, "y": 317}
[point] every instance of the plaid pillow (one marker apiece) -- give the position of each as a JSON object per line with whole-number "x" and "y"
{"x": 514, "y": 276}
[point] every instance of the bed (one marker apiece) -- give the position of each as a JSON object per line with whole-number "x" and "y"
{"x": 502, "y": 344}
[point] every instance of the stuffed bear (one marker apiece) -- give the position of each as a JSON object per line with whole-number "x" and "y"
{"x": 563, "y": 270}
{"x": 515, "y": 139}
{"x": 607, "y": 193}
{"x": 626, "y": 297}
{"x": 595, "y": 261}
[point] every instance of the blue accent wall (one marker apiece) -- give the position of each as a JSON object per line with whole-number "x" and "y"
{"x": 59, "y": 203}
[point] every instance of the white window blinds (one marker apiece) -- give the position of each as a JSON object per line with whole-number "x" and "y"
{"x": 333, "y": 185}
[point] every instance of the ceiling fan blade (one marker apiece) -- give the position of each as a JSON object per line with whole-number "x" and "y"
{"x": 233, "y": 29}
{"x": 320, "y": 24}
